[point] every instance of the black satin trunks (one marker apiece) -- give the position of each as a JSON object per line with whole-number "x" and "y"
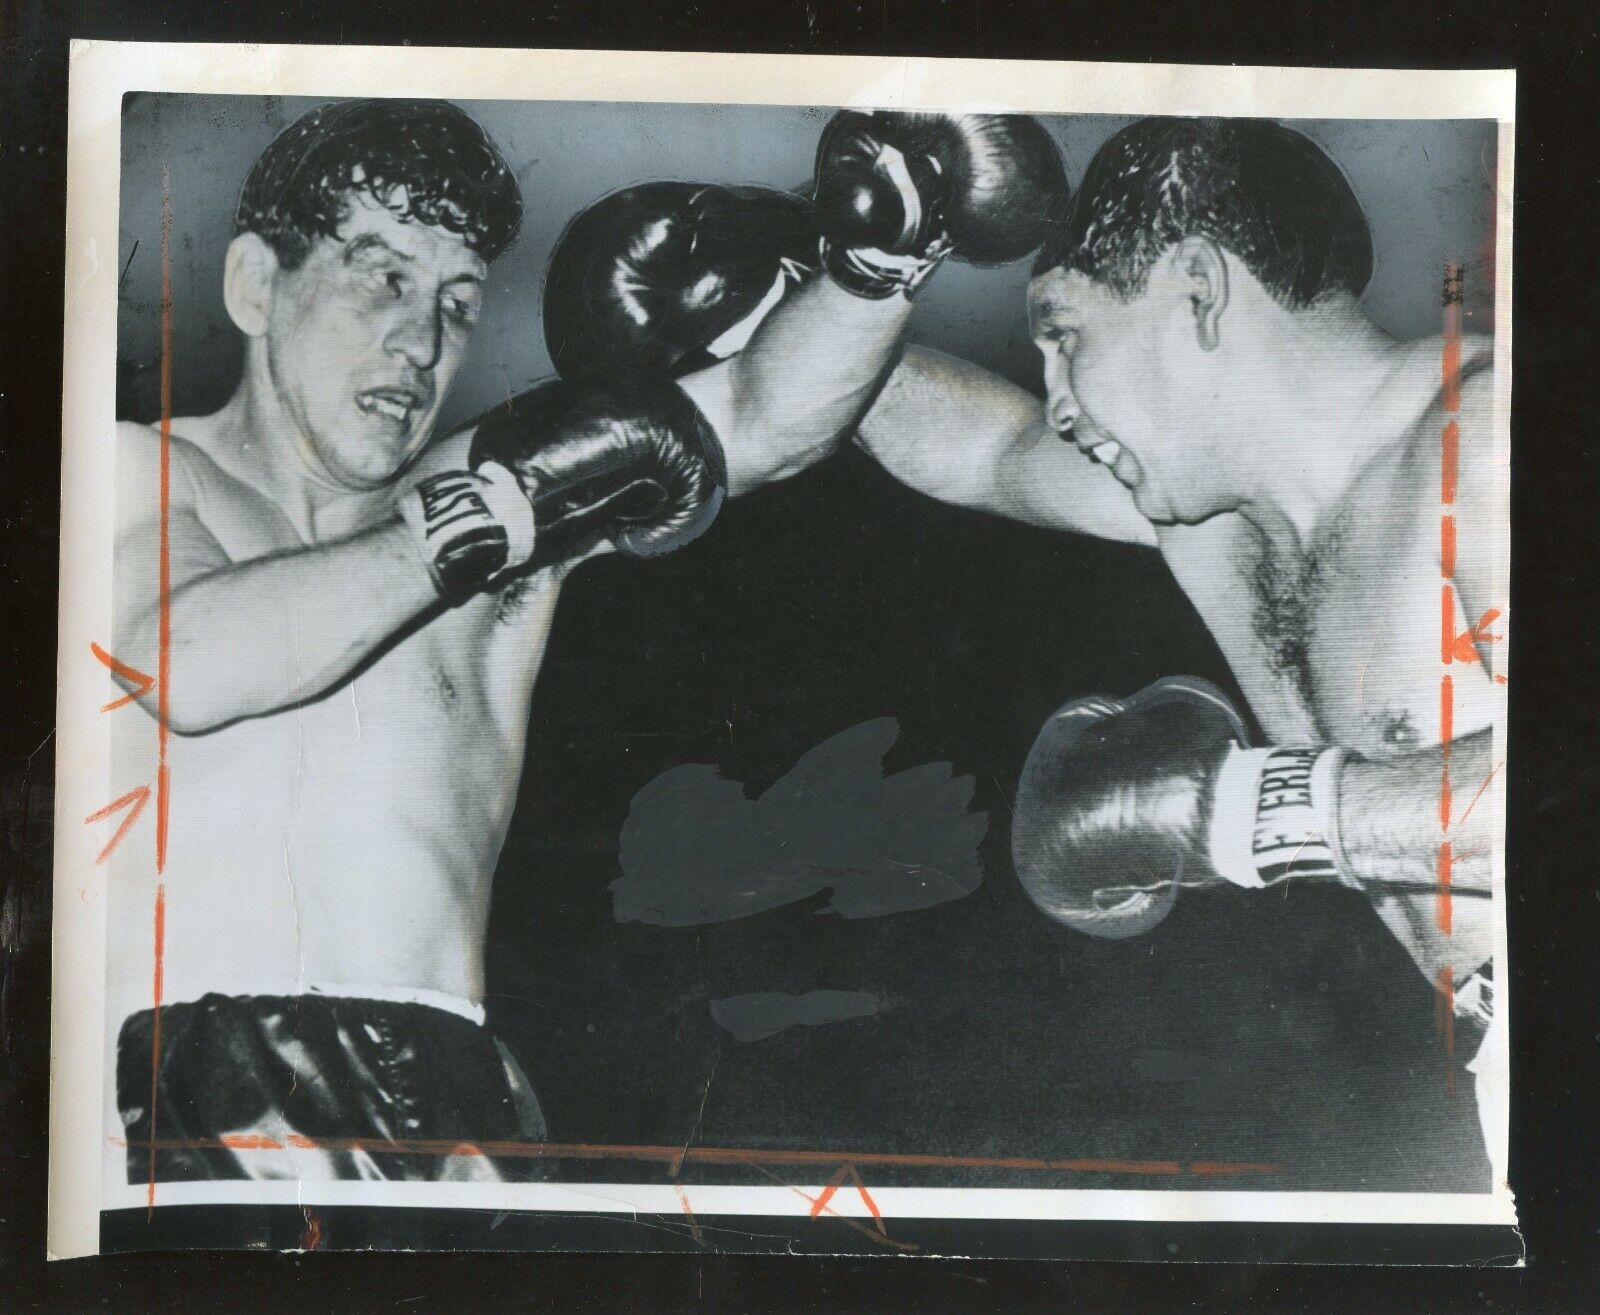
{"x": 318, "y": 1087}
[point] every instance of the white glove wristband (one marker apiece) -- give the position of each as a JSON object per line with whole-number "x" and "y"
{"x": 470, "y": 526}
{"x": 1275, "y": 816}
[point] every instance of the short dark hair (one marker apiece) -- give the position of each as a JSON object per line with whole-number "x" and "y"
{"x": 453, "y": 175}
{"x": 1265, "y": 192}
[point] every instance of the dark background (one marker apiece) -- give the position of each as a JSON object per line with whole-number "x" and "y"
{"x": 1290, "y": 1030}
{"x": 1552, "y": 781}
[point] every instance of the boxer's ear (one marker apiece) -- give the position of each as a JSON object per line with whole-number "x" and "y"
{"x": 247, "y": 283}
{"x": 1204, "y": 272}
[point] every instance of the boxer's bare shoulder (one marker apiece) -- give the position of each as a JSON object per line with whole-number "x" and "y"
{"x": 205, "y": 502}
{"x": 1339, "y": 640}
{"x": 1373, "y": 621}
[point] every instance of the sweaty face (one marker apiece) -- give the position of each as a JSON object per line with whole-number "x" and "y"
{"x": 365, "y": 338}
{"x": 1122, "y": 382}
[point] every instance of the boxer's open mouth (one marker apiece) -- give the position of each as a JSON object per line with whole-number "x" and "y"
{"x": 1106, "y": 453}
{"x": 395, "y": 404}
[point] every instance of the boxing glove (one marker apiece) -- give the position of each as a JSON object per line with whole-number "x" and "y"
{"x": 1121, "y": 803}
{"x": 662, "y": 277}
{"x": 895, "y": 193}
{"x": 561, "y": 468}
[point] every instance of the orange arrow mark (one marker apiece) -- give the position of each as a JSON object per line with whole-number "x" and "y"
{"x": 137, "y": 799}
{"x": 1464, "y": 646}
{"x": 131, "y": 674}
{"x": 833, "y": 1185}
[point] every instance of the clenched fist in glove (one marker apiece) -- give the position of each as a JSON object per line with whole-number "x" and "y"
{"x": 1122, "y": 802}
{"x": 664, "y": 278}
{"x": 896, "y": 193}
{"x": 559, "y": 469}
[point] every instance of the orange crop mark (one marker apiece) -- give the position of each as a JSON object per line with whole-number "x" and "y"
{"x": 130, "y": 674}
{"x": 726, "y": 1155}
{"x": 137, "y": 799}
{"x": 1447, "y": 546}
{"x": 163, "y": 660}
{"x": 1444, "y": 911}
{"x": 1449, "y": 462}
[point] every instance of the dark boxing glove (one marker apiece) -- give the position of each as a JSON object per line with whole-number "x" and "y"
{"x": 659, "y": 278}
{"x": 896, "y": 193}
{"x": 562, "y": 467}
{"x": 1121, "y": 803}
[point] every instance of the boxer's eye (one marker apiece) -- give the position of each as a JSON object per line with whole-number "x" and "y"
{"x": 461, "y": 311}
{"x": 389, "y": 282}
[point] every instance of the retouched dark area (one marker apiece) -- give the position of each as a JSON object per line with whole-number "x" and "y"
{"x": 975, "y": 991}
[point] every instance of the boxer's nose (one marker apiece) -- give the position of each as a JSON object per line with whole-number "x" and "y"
{"x": 1061, "y": 406}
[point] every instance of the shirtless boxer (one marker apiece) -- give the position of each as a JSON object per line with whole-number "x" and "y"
{"x": 357, "y": 619}
{"x": 1215, "y": 391}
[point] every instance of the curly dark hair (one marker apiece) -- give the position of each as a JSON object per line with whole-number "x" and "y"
{"x": 453, "y": 175}
{"x": 1265, "y": 192}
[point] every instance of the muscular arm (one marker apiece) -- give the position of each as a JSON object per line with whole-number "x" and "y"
{"x": 785, "y": 401}
{"x": 954, "y": 431}
{"x": 1389, "y": 814}
{"x": 255, "y": 636}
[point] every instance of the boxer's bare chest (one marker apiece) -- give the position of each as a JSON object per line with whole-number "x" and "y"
{"x": 443, "y": 704}
{"x": 1339, "y": 642}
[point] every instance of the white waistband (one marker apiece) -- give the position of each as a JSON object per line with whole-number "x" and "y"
{"x": 471, "y": 1010}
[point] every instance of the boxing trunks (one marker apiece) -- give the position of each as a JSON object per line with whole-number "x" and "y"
{"x": 318, "y": 1087}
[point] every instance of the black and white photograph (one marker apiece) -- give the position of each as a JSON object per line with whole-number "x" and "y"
{"x": 885, "y": 675}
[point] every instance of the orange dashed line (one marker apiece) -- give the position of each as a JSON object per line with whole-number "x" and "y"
{"x": 1444, "y": 912}
{"x": 1449, "y": 462}
{"x": 1219, "y": 1168}
{"x": 250, "y": 1141}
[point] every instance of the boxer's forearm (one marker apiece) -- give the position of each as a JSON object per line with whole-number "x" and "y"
{"x": 783, "y": 403}
{"x": 262, "y": 635}
{"x": 1389, "y": 815}
{"x": 956, "y": 432}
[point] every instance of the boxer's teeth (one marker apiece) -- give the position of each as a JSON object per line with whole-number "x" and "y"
{"x": 1106, "y": 453}
{"x": 373, "y": 403}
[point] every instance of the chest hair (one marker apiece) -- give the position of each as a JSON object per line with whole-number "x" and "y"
{"x": 1289, "y": 588}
